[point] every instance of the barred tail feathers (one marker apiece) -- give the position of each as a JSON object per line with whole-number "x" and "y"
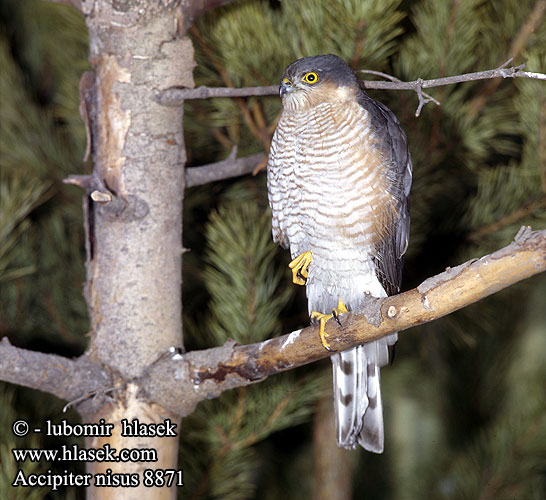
{"x": 372, "y": 434}
{"x": 350, "y": 394}
{"x": 357, "y": 394}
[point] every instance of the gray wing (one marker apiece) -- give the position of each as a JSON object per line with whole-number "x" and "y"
{"x": 394, "y": 145}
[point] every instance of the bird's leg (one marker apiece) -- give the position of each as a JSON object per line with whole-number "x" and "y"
{"x": 323, "y": 318}
{"x": 299, "y": 267}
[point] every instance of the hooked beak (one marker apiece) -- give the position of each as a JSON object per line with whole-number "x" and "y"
{"x": 286, "y": 87}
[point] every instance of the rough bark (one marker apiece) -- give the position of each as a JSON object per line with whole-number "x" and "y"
{"x": 134, "y": 216}
{"x": 230, "y": 366}
{"x": 135, "y": 241}
{"x": 231, "y": 167}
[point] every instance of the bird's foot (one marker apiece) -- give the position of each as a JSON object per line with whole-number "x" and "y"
{"x": 299, "y": 267}
{"x": 323, "y": 318}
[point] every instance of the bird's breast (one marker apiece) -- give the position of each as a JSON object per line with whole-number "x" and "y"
{"x": 333, "y": 180}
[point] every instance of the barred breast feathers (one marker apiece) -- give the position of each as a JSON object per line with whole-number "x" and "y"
{"x": 335, "y": 175}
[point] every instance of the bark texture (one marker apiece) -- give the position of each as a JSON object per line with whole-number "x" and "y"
{"x": 135, "y": 240}
{"x": 178, "y": 383}
{"x": 134, "y": 217}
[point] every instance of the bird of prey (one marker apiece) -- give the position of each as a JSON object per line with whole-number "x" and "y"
{"x": 339, "y": 175}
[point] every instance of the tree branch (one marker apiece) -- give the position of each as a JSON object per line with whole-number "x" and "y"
{"x": 179, "y": 382}
{"x": 199, "y": 7}
{"x": 250, "y": 120}
{"x": 510, "y": 218}
{"x": 423, "y": 96}
{"x": 176, "y": 96}
{"x": 516, "y": 47}
{"x": 65, "y": 378}
{"x": 225, "y": 169}
{"x": 207, "y": 373}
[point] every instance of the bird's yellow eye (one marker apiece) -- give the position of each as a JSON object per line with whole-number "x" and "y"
{"x": 310, "y": 78}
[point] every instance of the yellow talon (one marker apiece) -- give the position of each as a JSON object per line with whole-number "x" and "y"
{"x": 340, "y": 309}
{"x": 299, "y": 267}
{"x": 323, "y": 318}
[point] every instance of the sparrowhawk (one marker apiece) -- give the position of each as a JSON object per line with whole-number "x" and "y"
{"x": 339, "y": 176}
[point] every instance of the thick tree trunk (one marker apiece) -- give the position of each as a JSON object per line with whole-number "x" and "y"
{"x": 134, "y": 219}
{"x": 134, "y": 269}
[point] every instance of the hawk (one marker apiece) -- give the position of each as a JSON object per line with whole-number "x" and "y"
{"x": 339, "y": 175}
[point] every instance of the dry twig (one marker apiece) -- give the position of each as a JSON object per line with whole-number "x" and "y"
{"x": 225, "y": 169}
{"x": 176, "y": 96}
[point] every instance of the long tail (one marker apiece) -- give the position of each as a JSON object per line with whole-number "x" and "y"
{"x": 357, "y": 394}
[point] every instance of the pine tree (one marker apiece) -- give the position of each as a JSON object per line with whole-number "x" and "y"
{"x": 478, "y": 178}
{"x": 464, "y": 403}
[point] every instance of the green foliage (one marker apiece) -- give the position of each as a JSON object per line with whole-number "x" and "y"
{"x": 454, "y": 26}
{"x": 41, "y": 142}
{"x": 478, "y": 131}
{"x": 479, "y": 175}
{"x": 507, "y": 458}
{"x": 363, "y": 32}
{"x": 17, "y": 200}
{"x": 360, "y": 31}
{"x": 517, "y": 186}
{"x": 23, "y": 404}
{"x": 241, "y": 261}
{"x": 219, "y": 454}
{"x": 8, "y": 442}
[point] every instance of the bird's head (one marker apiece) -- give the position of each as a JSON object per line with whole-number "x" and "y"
{"x": 313, "y": 80}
